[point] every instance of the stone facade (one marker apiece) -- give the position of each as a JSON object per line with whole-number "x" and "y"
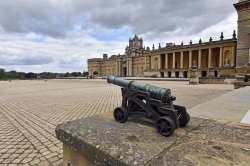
{"x": 225, "y": 57}
{"x": 243, "y": 43}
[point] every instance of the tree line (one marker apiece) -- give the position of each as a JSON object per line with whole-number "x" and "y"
{"x": 6, "y": 75}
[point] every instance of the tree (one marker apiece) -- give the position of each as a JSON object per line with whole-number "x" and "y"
{"x": 2, "y": 74}
{"x": 85, "y": 73}
{"x": 74, "y": 74}
{"x": 11, "y": 74}
{"x": 30, "y": 75}
{"x": 67, "y": 74}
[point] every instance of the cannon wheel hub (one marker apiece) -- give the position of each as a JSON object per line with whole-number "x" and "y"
{"x": 165, "y": 126}
{"x": 121, "y": 114}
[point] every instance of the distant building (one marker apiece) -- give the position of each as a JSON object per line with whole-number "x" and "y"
{"x": 227, "y": 57}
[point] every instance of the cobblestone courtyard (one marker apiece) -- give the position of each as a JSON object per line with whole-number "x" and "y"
{"x": 30, "y": 111}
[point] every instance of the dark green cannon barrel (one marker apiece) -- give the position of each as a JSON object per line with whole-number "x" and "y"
{"x": 157, "y": 93}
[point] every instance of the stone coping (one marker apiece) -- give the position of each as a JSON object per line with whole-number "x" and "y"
{"x": 239, "y": 84}
{"x": 136, "y": 142}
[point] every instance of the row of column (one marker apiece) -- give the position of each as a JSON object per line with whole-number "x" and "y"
{"x": 199, "y": 58}
{"x": 119, "y": 67}
{"x": 129, "y": 71}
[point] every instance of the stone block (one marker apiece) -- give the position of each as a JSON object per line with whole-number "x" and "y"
{"x": 99, "y": 140}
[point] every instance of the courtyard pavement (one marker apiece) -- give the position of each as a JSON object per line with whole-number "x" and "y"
{"x": 30, "y": 111}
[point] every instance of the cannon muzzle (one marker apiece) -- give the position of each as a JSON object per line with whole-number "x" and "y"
{"x": 162, "y": 94}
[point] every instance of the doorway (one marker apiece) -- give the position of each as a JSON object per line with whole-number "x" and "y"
{"x": 185, "y": 74}
{"x": 162, "y": 74}
{"x": 176, "y": 74}
{"x": 124, "y": 71}
{"x": 204, "y": 73}
{"x": 215, "y": 73}
{"x": 169, "y": 74}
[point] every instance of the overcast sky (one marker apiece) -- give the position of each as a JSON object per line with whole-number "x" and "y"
{"x": 60, "y": 35}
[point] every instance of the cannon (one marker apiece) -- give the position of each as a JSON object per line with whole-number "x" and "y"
{"x": 141, "y": 100}
{"x": 247, "y": 77}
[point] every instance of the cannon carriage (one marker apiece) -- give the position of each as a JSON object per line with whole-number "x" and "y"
{"x": 147, "y": 101}
{"x": 247, "y": 77}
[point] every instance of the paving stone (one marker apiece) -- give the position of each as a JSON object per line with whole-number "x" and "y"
{"x": 30, "y": 111}
{"x": 14, "y": 156}
{"x": 2, "y": 151}
{"x": 34, "y": 162}
{"x": 54, "y": 159}
{"x": 5, "y": 156}
{"x": 11, "y": 151}
{"x": 44, "y": 163}
{"x": 26, "y": 160}
{"x": 59, "y": 162}
{"x": 7, "y": 161}
{"x": 17, "y": 161}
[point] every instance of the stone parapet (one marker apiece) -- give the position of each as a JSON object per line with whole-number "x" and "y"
{"x": 99, "y": 140}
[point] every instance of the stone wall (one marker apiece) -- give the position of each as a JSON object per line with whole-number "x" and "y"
{"x": 243, "y": 43}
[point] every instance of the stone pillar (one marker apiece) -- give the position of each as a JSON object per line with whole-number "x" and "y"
{"x": 116, "y": 68}
{"x": 145, "y": 62}
{"x": 127, "y": 67}
{"x": 119, "y": 68}
{"x": 130, "y": 67}
{"x": 209, "y": 57}
{"x": 181, "y": 59}
{"x": 221, "y": 57}
{"x": 181, "y": 74}
{"x": 151, "y": 63}
{"x": 173, "y": 60}
{"x": 166, "y": 61}
{"x": 190, "y": 58}
{"x": 243, "y": 42}
{"x": 199, "y": 59}
{"x": 159, "y": 62}
{"x": 233, "y": 57}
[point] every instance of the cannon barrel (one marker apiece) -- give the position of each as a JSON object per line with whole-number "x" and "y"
{"x": 157, "y": 93}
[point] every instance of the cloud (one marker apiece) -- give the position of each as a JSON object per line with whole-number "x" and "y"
{"x": 162, "y": 17}
{"x": 19, "y": 52}
{"x": 41, "y": 17}
{"x": 60, "y": 35}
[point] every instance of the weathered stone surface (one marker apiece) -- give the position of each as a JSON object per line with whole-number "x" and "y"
{"x": 239, "y": 84}
{"x": 210, "y": 143}
{"x": 137, "y": 142}
{"x": 102, "y": 139}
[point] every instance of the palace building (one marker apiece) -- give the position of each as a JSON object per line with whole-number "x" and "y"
{"x": 225, "y": 57}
